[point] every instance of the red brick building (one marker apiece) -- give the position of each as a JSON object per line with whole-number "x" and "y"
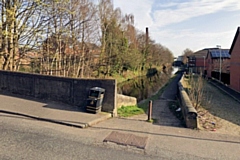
{"x": 213, "y": 69}
{"x": 197, "y": 62}
{"x": 235, "y": 62}
{"x": 207, "y": 62}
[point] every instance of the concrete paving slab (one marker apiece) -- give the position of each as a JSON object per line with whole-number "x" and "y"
{"x": 126, "y": 139}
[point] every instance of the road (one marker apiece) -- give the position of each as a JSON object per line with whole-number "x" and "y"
{"x": 23, "y": 138}
{"x": 29, "y": 139}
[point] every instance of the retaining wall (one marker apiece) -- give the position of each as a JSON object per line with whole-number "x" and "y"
{"x": 72, "y": 91}
{"x": 123, "y": 100}
{"x": 188, "y": 111}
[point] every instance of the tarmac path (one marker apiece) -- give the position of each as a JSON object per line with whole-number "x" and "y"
{"x": 160, "y": 111}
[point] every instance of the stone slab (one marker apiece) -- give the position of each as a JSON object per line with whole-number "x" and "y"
{"x": 126, "y": 139}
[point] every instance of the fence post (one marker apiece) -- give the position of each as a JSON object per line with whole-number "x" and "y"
{"x": 150, "y": 111}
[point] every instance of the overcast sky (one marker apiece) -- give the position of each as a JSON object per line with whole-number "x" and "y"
{"x": 181, "y": 24}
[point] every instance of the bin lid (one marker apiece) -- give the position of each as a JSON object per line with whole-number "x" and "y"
{"x": 98, "y": 89}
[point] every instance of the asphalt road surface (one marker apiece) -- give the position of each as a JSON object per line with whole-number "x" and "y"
{"x": 23, "y": 138}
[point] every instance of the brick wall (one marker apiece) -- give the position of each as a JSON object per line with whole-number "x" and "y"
{"x": 235, "y": 66}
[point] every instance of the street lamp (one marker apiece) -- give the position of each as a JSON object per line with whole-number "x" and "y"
{"x": 220, "y": 62}
{"x": 204, "y": 65}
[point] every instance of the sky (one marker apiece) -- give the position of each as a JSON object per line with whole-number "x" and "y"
{"x": 181, "y": 24}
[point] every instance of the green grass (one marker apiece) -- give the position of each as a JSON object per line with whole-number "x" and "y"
{"x": 152, "y": 121}
{"x": 127, "y": 111}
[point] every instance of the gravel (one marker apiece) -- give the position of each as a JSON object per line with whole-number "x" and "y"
{"x": 219, "y": 112}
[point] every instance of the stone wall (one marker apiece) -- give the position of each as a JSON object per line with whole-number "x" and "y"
{"x": 72, "y": 91}
{"x": 188, "y": 111}
{"x": 123, "y": 100}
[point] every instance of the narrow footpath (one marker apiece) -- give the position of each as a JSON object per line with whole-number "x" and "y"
{"x": 161, "y": 112}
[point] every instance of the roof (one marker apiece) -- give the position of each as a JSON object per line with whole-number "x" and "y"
{"x": 234, "y": 40}
{"x": 201, "y": 53}
{"x": 217, "y": 53}
{"x": 213, "y": 52}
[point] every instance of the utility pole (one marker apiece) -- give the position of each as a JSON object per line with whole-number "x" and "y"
{"x": 220, "y": 62}
{"x": 204, "y": 65}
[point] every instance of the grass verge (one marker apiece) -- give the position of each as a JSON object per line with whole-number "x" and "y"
{"x": 127, "y": 111}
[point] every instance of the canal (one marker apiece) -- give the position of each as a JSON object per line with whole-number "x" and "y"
{"x": 145, "y": 86}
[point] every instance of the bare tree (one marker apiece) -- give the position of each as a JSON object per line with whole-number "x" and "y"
{"x": 74, "y": 38}
{"x": 21, "y": 28}
{"x": 196, "y": 90}
{"x": 187, "y": 52}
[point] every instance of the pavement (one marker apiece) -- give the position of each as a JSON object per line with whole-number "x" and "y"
{"x": 49, "y": 111}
